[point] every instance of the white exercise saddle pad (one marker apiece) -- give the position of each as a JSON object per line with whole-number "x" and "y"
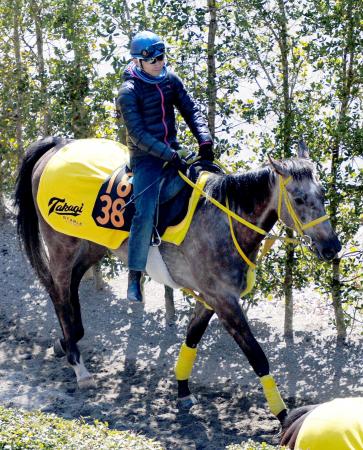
{"x": 157, "y": 270}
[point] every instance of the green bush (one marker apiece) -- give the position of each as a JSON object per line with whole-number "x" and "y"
{"x": 39, "y": 431}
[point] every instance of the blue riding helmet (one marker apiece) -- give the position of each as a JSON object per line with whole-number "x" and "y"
{"x": 146, "y": 45}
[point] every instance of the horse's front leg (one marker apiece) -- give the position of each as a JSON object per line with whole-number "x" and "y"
{"x": 233, "y": 319}
{"x": 188, "y": 352}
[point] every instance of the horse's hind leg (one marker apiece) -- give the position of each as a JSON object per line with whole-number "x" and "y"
{"x": 63, "y": 251}
{"x": 188, "y": 352}
{"x": 233, "y": 319}
{"x": 88, "y": 255}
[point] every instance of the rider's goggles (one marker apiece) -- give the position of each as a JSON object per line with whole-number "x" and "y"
{"x": 154, "y": 49}
{"x": 153, "y": 60}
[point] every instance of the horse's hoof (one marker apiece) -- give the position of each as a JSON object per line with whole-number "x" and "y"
{"x": 134, "y": 298}
{"x": 87, "y": 383}
{"x": 58, "y": 349}
{"x": 185, "y": 403}
{"x": 282, "y": 416}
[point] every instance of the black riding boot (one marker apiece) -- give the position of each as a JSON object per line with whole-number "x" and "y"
{"x": 134, "y": 289}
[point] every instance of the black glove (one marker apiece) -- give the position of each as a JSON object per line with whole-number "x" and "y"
{"x": 206, "y": 151}
{"x": 179, "y": 163}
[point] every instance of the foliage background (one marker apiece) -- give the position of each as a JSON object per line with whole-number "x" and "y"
{"x": 265, "y": 74}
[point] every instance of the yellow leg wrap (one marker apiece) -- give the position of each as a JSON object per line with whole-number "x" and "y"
{"x": 272, "y": 394}
{"x": 184, "y": 365}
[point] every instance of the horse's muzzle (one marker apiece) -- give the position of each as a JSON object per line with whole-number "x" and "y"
{"x": 327, "y": 250}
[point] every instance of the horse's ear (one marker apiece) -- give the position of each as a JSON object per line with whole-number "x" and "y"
{"x": 302, "y": 150}
{"x": 278, "y": 167}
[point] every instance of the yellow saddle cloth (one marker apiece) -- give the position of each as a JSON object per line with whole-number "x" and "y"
{"x": 335, "y": 425}
{"x": 84, "y": 187}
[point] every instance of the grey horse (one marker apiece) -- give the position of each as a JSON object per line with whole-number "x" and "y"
{"x": 207, "y": 261}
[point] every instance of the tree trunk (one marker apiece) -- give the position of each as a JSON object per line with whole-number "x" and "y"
{"x": 80, "y": 120}
{"x": 288, "y": 286}
{"x": 212, "y": 87}
{"x": 2, "y": 208}
{"x": 2, "y": 200}
{"x": 287, "y": 124}
{"x": 18, "y": 81}
{"x": 128, "y": 22}
{"x": 335, "y": 280}
{"x": 36, "y": 12}
{"x": 79, "y": 71}
{"x": 287, "y": 110}
{"x": 169, "y": 305}
{"x": 337, "y": 304}
{"x": 347, "y": 79}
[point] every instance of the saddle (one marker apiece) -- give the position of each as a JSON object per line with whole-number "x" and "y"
{"x": 173, "y": 208}
{"x": 173, "y": 204}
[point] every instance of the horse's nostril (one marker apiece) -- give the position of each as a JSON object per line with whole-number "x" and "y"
{"x": 329, "y": 253}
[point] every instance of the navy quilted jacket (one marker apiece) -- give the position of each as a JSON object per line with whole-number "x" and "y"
{"x": 148, "y": 112}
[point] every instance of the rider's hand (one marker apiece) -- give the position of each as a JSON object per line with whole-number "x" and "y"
{"x": 179, "y": 163}
{"x": 206, "y": 151}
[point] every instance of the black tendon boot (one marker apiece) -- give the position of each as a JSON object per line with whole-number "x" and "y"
{"x": 134, "y": 289}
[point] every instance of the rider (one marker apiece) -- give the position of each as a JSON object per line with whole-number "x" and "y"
{"x": 146, "y": 102}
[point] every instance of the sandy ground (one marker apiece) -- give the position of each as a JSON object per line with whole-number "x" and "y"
{"x": 131, "y": 351}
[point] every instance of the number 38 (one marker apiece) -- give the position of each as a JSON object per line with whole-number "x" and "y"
{"x": 113, "y": 210}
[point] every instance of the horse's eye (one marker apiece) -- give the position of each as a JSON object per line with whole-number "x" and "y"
{"x": 299, "y": 201}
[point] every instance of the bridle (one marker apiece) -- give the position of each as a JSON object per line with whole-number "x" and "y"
{"x": 284, "y": 196}
{"x": 270, "y": 239}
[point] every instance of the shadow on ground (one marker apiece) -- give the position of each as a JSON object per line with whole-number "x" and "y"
{"x": 131, "y": 351}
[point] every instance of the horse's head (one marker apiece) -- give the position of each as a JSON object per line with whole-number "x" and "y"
{"x": 300, "y": 203}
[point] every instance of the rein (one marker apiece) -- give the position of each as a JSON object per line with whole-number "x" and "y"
{"x": 270, "y": 239}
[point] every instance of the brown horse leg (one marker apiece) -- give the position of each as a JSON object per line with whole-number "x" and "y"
{"x": 60, "y": 295}
{"x": 90, "y": 254}
{"x": 233, "y": 319}
{"x": 76, "y": 318}
{"x": 84, "y": 261}
{"x": 62, "y": 254}
{"x": 196, "y": 328}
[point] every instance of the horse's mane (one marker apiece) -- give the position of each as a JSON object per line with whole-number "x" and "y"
{"x": 254, "y": 187}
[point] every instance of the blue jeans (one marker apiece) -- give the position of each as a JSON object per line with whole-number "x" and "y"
{"x": 146, "y": 170}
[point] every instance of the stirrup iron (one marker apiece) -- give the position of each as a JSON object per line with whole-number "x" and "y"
{"x": 155, "y": 238}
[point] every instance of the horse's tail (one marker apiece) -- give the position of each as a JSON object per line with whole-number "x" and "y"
{"x": 27, "y": 219}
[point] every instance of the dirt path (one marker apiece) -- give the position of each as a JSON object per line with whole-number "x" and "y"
{"x": 132, "y": 351}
